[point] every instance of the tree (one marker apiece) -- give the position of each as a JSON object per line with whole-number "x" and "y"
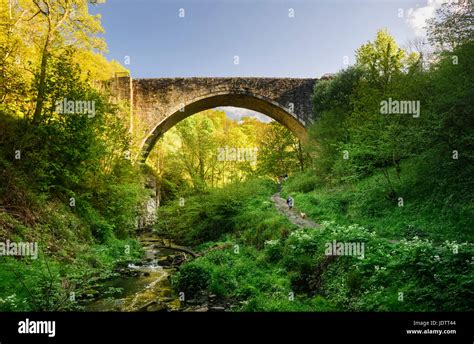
{"x": 383, "y": 59}
{"x": 452, "y": 26}
{"x": 332, "y": 105}
{"x": 15, "y": 52}
{"x": 378, "y": 139}
{"x": 62, "y": 23}
{"x": 279, "y": 151}
{"x": 209, "y": 150}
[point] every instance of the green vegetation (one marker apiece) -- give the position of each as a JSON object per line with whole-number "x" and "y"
{"x": 397, "y": 182}
{"x": 394, "y": 181}
{"x": 424, "y": 213}
{"x": 282, "y": 268}
{"x": 242, "y": 209}
{"x": 54, "y": 283}
{"x": 65, "y": 182}
{"x": 209, "y": 150}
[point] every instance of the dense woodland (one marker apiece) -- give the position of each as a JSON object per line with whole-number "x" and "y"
{"x": 401, "y": 183}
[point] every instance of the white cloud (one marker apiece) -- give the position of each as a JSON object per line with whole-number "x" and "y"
{"x": 416, "y": 17}
{"x": 237, "y": 113}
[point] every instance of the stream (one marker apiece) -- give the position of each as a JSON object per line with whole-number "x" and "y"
{"x": 144, "y": 286}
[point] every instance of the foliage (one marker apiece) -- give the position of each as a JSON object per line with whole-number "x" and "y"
{"x": 398, "y": 183}
{"x": 46, "y": 284}
{"x": 452, "y": 25}
{"x": 416, "y": 267}
{"x": 66, "y": 184}
{"x": 402, "y": 190}
{"x": 211, "y": 151}
{"x": 235, "y": 208}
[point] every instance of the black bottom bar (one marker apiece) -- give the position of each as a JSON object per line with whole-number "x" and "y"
{"x": 245, "y": 327}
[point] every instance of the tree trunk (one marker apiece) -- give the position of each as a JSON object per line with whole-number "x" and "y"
{"x": 157, "y": 192}
{"x": 300, "y": 156}
{"x": 42, "y": 81}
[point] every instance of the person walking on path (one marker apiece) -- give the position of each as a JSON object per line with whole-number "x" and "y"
{"x": 290, "y": 202}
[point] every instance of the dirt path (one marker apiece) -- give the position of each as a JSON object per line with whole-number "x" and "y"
{"x": 292, "y": 215}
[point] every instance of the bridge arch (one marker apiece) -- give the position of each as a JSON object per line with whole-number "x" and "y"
{"x": 236, "y": 98}
{"x": 157, "y": 104}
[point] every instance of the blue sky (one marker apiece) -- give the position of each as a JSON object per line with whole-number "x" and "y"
{"x": 267, "y": 41}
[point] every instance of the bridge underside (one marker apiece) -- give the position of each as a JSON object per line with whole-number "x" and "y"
{"x": 241, "y": 99}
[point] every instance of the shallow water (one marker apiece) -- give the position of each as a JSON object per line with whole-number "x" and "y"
{"x": 149, "y": 284}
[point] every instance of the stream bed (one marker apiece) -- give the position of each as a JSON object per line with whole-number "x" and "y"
{"x": 143, "y": 286}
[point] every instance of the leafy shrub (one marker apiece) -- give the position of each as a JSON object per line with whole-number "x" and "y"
{"x": 191, "y": 279}
{"x": 301, "y": 182}
{"x": 431, "y": 277}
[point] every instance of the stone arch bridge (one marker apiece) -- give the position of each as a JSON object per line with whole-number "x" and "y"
{"x": 158, "y": 104}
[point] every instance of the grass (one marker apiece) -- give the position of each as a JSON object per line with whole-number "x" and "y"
{"x": 247, "y": 279}
{"x": 69, "y": 262}
{"x": 424, "y": 214}
{"x": 417, "y": 256}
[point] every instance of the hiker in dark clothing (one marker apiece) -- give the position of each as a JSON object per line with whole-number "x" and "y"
{"x": 290, "y": 202}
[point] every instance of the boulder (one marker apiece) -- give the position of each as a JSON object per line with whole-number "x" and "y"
{"x": 216, "y": 309}
{"x": 157, "y": 307}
